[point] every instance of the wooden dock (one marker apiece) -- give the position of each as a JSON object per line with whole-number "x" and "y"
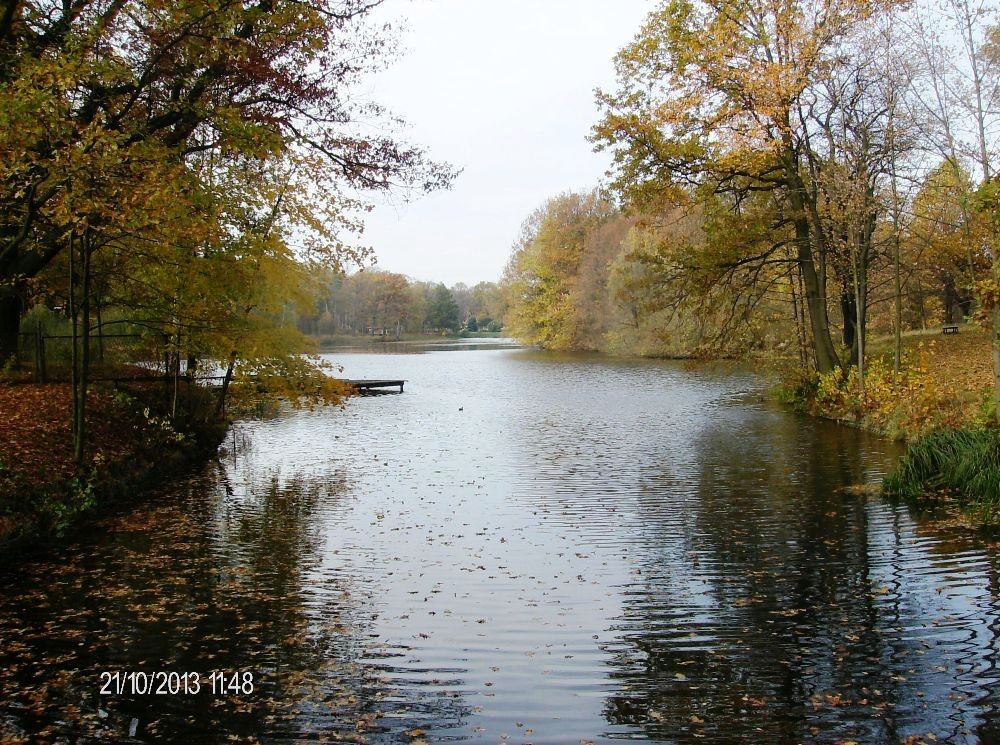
{"x": 375, "y": 386}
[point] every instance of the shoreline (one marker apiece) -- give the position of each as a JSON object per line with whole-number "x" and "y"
{"x": 939, "y": 406}
{"x": 330, "y": 343}
{"x": 39, "y": 511}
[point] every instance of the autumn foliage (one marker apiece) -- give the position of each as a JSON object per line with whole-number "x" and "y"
{"x": 182, "y": 172}
{"x": 789, "y": 180}
{"x": 944, "y": 384}
{"x": 44, "y": 488}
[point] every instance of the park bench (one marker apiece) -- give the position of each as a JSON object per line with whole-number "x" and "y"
{"x": 950, "y": 329}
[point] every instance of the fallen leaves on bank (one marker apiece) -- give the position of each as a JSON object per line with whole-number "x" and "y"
{"x": 36, "y": 442}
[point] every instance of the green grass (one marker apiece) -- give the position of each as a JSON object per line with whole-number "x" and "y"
{"x": 964, "y": 464}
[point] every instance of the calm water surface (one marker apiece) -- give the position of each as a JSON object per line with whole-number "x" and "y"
{"x": 523, "y": 547}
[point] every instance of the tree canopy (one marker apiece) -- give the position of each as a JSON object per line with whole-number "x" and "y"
{"x": 189, "y": 166}
{"x": 781, "y": 171}
{"x": 225, "y": 126}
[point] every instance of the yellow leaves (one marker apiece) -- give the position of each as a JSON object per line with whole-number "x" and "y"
{"x": 747, "y": 62}
{"x": 943, "y": 384}
{"x": 300, "y": 381}
{"x": 543, "y": 273}
{"x": 988, "y": 293}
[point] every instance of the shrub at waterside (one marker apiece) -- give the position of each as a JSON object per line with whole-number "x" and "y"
{"x": 961, "y": 463}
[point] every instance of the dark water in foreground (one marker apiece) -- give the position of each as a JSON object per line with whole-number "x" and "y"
{"x": 524, "y": 548}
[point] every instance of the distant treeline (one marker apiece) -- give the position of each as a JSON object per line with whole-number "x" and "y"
{"x": 384, "y": 303}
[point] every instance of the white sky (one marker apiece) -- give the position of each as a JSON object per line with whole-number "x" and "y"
{"x": 505, "y": 90}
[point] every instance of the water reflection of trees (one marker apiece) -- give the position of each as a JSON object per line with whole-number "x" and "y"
{"x": 773, "y": 607}
{"x": 213, "y": 576}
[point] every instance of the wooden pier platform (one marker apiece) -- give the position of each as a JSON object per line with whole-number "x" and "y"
{"x": 375, "y": 386}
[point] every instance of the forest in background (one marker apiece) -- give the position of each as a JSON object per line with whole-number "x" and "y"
{"x": 788, "y": 178}
{"x": 382, "y": 303}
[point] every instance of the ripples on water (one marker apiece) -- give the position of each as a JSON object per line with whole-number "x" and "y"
{"x": 522, "y": 547}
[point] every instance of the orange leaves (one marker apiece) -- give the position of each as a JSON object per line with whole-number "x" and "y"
{"x": 988, "y": 292}
{"x": 945, "y": 383}
{"x": 36, "y": 445}
{"x": 35, "y": 430}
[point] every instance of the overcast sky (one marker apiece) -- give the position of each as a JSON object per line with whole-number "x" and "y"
{"x": 504, "y": 90}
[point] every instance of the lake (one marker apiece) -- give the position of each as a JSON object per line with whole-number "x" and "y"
{"x": 522, "y": 547}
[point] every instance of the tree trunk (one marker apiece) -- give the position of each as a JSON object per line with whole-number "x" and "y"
{"x": 177, "y": 376}
{"x": 860, "y": 304}
{"x": 800, "y": 332}
{"x": 74, "y": 366}
{"x": 965, "y": 301}
{"x": 10, "y": 324}
{"x": 950, "y": 298}
{"x": 849, "y": 310}
{"x": 80, "y": 436}
{"x": 897, "y": 279}
{"x": 996, "y": 361}
{"x": 922, "y": 306}
{"x": 189, "y": 372}
{"x": 897, "y": 317}
{"x": 826, "y": 354}
{"x": 100, "y": 331}
{"x": 220, "y": 406}
{"x": 853, "y": 304}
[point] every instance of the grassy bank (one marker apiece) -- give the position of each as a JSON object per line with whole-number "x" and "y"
{"x": 44, "y": 494}
{"x": 963, "y": 465}
{"x": 941, "y": 403}
{"x": 945, "y": 383}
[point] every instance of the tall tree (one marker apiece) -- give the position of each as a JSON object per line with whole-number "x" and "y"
{"x": 97, "y": 94}
{"x": 717, "y": 97}
{"x": 442, "y": 310}
{"x": 542, "y": 275}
